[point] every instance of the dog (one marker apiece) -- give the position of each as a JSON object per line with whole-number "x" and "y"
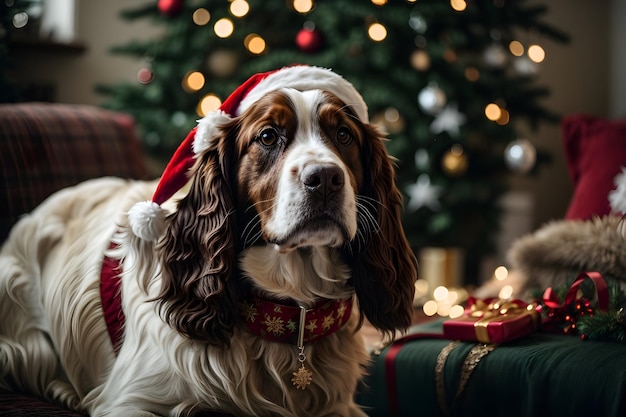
{"x": 236, "y": 283}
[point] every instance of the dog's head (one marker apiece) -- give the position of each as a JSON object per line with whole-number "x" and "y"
{"x": 295, "y": 169}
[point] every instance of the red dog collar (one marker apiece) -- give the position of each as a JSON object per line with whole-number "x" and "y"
{"x": 280, "y": 323}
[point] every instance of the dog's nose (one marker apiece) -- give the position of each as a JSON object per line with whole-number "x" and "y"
{"x": 323, "y": 179}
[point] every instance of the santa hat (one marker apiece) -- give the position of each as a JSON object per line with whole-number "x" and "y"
{"x": 617, "y": 197}
{"x": 147, "y": 218}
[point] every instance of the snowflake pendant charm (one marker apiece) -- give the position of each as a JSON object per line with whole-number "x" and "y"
{"x": 302, "y": 378}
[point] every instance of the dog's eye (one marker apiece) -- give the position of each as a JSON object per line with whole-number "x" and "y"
{"x": 344, "y": 135}
{"x": 268, "y": 137}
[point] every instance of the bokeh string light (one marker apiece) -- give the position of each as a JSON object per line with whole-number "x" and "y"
{"x": 536, "y": 53}
{"x": 208, "y": 104}
{"x": 239, "y": 8}
{"x": 224, "y": 27}
{"x": 303, "y": 6}
{"x": 201, "y": 16}
{"x": 255, "y": 43}
{"x": 458, "y": 5}
{"x": 193, "y": 81}
{"x": 443, "y": 301}
{"x": 516, "y": 48}
{"x": 377, "y": 32}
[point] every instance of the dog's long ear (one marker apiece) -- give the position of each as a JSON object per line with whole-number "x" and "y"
{"x": 197, "y": 296}
{"x": 385, "y": 270}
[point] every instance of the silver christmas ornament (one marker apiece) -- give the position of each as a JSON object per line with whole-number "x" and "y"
{"x": 432, "y": 99}
{"x": 520, "y": 156}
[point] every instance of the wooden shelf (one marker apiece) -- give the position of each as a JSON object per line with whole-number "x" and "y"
{"x": 47, "y": 45}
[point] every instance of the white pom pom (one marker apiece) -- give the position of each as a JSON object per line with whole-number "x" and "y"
{"x": 147, "y": 220}
{"x": 617, "y": 197}
{"x": 208, "y": 129}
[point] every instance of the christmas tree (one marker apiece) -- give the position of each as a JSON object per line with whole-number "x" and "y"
{"x": 448, "y": 81}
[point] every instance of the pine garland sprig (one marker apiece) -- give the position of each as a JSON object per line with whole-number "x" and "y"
{"x": 611, "y": 325}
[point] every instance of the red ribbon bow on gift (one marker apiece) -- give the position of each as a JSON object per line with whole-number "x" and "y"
{"x": 562, "y": 317}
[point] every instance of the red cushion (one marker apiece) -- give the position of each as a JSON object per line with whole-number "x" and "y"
{"x": 595, "y": 150}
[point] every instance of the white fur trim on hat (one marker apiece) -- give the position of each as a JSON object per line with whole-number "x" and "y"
{"x": 305, "y": 78}
{"x": 147, "y": 220}
{"x": 208, "y": 128}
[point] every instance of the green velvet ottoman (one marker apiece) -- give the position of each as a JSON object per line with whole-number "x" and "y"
{"x": 536, "y": 375}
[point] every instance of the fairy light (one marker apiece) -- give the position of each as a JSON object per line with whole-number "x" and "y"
{"x": 516, "y": 48}
{"x": 440, "y": 293}
{"x": 224, "y": 28}
{"x": 239, "y": 8}
{"x": 458, "y": 5}
{"x": 201, "y": 16}
{"x": 449, "y": 56}
{"x": 472, "y": 74}
{"x": 392, "y": 115}
{"x": 506, "y": 292}
{"x": 504, "y": 117}
{"x": 536, "y": 53}
{"x": 443, "y": 309}
{"x": 208, "y": 104}
{"x": 501, "y": 273}
{"x": 254, "y": 43}
{"x": 193, "y": 81}
{"x": 456, "y": 311}
{"x": 493, "y": 112}
{"x": 377, "y": 32}
{"x": 303, "y": 6}
{"x": 430, "y": 308}
{"x": 420, "y": 60}
{"x": 446, "y": 302}
{"x": 421, "y": 286}
{"x": 379, "y": 2}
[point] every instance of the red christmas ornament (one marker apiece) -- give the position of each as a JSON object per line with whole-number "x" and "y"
{"x": 170, "y": 8}
{"x": 145, "y": 76}
{"x": 309, "y": 40}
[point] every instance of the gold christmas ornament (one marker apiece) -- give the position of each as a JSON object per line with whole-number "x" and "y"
{"x": 455, "y": 161}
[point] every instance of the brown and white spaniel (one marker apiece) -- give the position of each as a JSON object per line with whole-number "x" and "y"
{"x": 247, "y": 297}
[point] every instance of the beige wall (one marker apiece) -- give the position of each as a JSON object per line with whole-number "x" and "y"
{"x": 618, "y": 59}
{"x": 578, "y": 75}
{"x": 99, "y": 27}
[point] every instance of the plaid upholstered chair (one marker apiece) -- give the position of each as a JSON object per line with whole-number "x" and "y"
{"x": 45, "y": 147}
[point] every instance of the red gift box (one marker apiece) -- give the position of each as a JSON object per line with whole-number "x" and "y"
{"x": 493, "y": 321}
